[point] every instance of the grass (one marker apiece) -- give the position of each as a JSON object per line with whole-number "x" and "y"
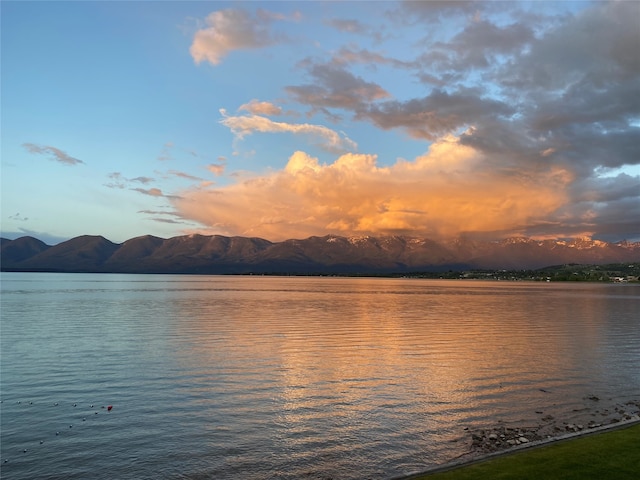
{"x": 607, "y": 455}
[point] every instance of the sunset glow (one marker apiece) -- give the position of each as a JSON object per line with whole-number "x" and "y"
{"x": 443, "y": 193}
{"x": 287, "y": 120}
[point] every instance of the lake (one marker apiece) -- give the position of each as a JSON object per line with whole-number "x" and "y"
{"x": 259, "y": 377}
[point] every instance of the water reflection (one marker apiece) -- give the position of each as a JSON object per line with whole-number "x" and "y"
{"x": 346, "y": 361}
{"x": 265, "y": 377}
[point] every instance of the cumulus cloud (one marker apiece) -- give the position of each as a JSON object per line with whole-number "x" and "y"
{"x": 328, "y": 139}
{"x": 233, "y": 29}
{"x": 54, "y": 153}
{"x": 445, "y": 192}
{"x": 523, "y": 111}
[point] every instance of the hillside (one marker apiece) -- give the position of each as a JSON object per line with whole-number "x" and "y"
{"x": 329, "y": 254}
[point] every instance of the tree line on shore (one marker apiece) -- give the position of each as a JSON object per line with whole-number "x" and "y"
{"x": 615, "y": 272}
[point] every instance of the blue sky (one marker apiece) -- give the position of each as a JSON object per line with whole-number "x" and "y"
{"x": 290, "y": 119}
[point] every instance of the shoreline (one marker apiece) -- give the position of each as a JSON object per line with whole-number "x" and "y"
{"x": 479, "y": 455}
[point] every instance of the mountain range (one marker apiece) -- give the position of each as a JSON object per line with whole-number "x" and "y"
{"x": 200, "y": 254}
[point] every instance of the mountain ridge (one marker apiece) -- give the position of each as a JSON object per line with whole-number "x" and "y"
{"x": 217, "y": 254}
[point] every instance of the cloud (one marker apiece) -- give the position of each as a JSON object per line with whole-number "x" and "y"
{"x": 153, "y": 192}
{"x": 166, "y": 152}
{"x": 143, "y": 180}
{"x": 168, "y": 220}
{"x": 522, "y": 106}
{"x": 234, "y": 29}
{"x": 117, "y": 180}
{"x": 329, "y": 140}
{"x": 538, "y": 90}
{"x": 335, "y": 87}
{"x": 480, "y": 45}
{"x": 157, "y": 212}
{"x": 348, "y": 55}
{"x": 162, "y": 218}
{"x": 55, "y": 153}
{"x": 184, "y": 175}
{"x": 18, "y": 217}
{"x": 349, "y": 26}
{"x": 596, "y": 46}
{"x": 605, "y": 208}
{"x": 575, "y": 95}
{"x": 445, "y": 192}
{"x": 377, "y": 33}
{"x": 216, "y": 168}
{"x": 522, "y": 111}
{"x": 434, "y": 10}
{"x": 256, "y": 107}
{"x": 437, "y": 114}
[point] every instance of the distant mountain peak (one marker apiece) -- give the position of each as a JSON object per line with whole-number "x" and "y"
{"x": 217, "y": 254}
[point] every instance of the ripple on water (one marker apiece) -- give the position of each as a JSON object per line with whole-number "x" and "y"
{"x": 256, "y": 378}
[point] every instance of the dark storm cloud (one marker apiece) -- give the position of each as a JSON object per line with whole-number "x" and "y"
{"x": 598, "y": 47}
{"x": 580, "y": 87}
{"x": 436, "y": 114}
{"x": 607, "y": 189}
{"x": 477, "y": 46}
{"x": 618, "y": 217}
{"x": 573, "y": 94}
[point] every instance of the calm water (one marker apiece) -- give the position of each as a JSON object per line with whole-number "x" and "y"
{"x": 288, "y": 378}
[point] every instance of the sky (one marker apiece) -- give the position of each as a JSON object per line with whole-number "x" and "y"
{"x": 279, "y": 120}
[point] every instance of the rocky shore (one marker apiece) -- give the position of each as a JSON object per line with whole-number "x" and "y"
{"x": 503, "y": 437}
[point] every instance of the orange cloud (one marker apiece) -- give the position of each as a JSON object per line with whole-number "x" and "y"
{"x": 261, "y": 108}
{"x": 442, "y": 193}
{"x": 216, "y": 168}
{"x": 244, "y": 125}
{"x": 152, "y": 192}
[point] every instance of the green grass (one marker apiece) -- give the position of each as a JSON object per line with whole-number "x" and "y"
{"x": 607, "y": 455}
